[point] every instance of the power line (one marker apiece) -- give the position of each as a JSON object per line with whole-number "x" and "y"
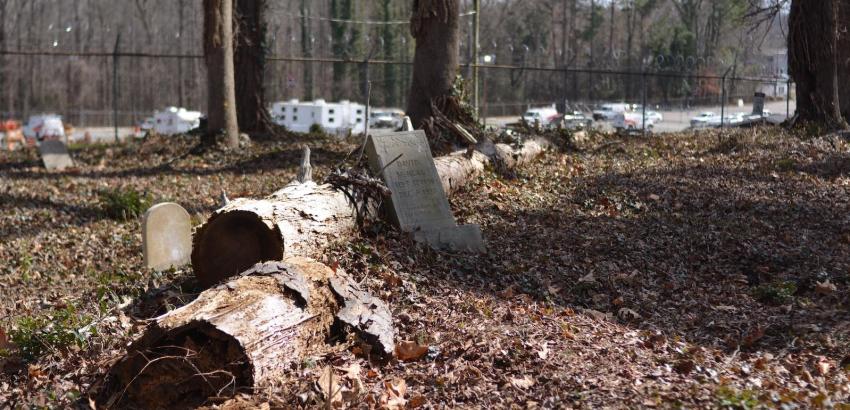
{"x": 364, "y": 22}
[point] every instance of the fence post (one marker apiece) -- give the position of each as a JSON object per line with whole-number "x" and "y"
{"x": 643, "y": 100}
{"x": 723, "y": 98}
{"x": 788, "y": 99}
{"x": 475, "y": 55}
{"x": 115, "y": 84}
{"x": 722, "y": 101}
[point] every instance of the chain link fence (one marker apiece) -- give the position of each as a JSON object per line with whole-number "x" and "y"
{"x": 118, "y": 88}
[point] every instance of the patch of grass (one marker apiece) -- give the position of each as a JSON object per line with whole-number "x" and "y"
{"x": 785, "y": 164}
{"x": 776, "y": 293}
{"x": 317, "y": 129}
{"x": 35, "y": 336}
{"x": 730, "y": 398}
{"x": 124, "y": 204}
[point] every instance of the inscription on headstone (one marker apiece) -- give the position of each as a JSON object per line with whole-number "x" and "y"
{"x": 418, "y": 203}
{"x": 55, "y": 156}
{"x": 418, "y": 200}
{"x": 166, "y": 236}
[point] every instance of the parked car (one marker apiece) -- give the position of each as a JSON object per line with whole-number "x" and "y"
{"x": 733, "y": 119}
{"x": 631, "y": 122}
{"x": 44, "y": 126}
{"x": 545, "y": 116}
{"x": 576, "y": 120}
{"x": 608, "y": 112}
{"x": 756, "y": 117}
{"x": 386, "y": 118}
{"x": 705, "y": 119}
{"x": 654, "y": 115}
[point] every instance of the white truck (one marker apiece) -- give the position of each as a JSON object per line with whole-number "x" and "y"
{"x": 609, "y": 112}
{"x": 630, "y": 122}
{"x": 543, "y": 116}
{"x": 44, "y": 126}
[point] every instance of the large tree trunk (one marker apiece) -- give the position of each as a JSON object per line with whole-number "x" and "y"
{"x": 813, "y": 61}
{"x": 244, "y": 336}
{"x": 301, "y": 219}
{"x": 434, "y": 25}
{"x": 307, "y": 49}
{"x": 218, "y": 54}
{"x": 250, "y": 63}
{"x": 843, "y": 57}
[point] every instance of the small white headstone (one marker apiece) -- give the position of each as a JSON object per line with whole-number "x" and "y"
{"x": 166, "y": 236}
{"x": 55, "y": 156}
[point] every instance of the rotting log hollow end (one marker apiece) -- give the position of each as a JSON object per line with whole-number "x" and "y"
{"x": 179, "y": 370}
{"x": 231, "y": 243}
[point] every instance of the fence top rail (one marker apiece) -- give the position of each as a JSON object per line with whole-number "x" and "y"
{"x": 569, "y": 70}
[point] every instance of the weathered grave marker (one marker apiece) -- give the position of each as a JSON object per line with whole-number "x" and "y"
{"x": 758, "y": 104}
{"x": 418, "y": 203}
{"x": 55, "y": 156}
{"x": 166, "y": 236}
{"x": 418, "y": 200}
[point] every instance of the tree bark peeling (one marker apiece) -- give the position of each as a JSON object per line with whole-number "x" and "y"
{"x": 244, "y": 335}
{"x": 302, "y": 219}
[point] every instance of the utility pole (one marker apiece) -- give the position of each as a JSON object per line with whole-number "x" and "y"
{"x": 476, "y": 22}
{"x": 115, "y": 84}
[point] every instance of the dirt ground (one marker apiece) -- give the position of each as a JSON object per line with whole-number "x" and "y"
{"x": 679, "y": 271}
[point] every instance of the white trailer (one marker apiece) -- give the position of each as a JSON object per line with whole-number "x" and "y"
{"x": 173, "y": 120}
{"x": 334, "y": 118}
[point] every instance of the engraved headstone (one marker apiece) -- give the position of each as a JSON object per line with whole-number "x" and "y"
{"x": 166, "y": 236}
{"x": 55, "y": 156}
{"x": 418, "y": 203}
{"x": 418, "y": 200}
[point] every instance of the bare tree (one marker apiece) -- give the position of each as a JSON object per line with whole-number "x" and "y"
{"x": 218, "y": 53}
{"x": 813, "y": 44}
{"x": 434, "y": 25}
{"x": 250, "y": 62}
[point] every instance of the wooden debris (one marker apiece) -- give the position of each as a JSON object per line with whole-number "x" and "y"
{"x": 244, "y": 335}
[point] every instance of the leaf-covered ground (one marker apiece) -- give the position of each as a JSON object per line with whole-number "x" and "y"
{"x": 681, "y": 270}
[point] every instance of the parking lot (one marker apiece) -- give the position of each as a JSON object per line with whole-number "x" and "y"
{"x": 679, "y": 120}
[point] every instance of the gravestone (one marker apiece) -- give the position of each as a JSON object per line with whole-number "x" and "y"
{"x": 166, "y": 236}
{"x": 418, "y": 200}
{"x": 758, "y": 104}
{"x": 418, "y": 203}
{"x": 406, "y": 124}
{"x": 55, "y": 156}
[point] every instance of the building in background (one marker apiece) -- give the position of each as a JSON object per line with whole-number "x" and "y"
{"x": 173, "y": 120}
{"x": 775, "y": 62}
{"x": 333, "y": 118}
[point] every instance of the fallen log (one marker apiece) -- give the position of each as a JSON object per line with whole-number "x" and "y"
{"x": 301, "y": 219}
{"x": 244, "y": 335}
